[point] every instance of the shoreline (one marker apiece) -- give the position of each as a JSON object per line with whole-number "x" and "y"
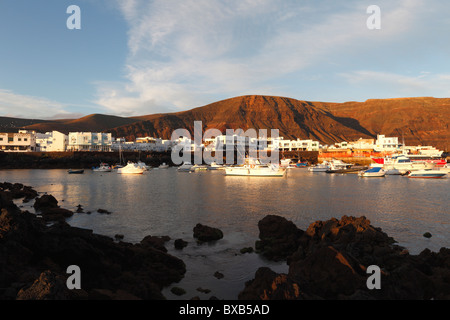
{"x": 329, "y": 260}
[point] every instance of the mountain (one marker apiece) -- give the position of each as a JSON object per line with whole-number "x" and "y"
{"x": 293, "y": 118}
{"x": 417, "y": 121}
{"x": 93, "y": 122}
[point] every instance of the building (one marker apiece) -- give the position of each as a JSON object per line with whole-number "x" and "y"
{"x": 23, "y": 141}
{"x": 89, "y": 141}
{"x": 384, "y": 143}
{"x": 142, "y": 144}
{"x": 54, "y": 141}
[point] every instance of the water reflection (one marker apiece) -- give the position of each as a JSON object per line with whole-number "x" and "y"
{"x": 167, "y": 202}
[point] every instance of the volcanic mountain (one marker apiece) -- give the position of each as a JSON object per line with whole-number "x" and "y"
{"x": 293, "y": 118}
{"x": 417, "y": 121}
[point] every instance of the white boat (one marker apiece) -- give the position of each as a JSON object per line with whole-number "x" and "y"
{"x": 198, "y": 167}
{"x": 143, "y": 165}
{"x": 428, "y": 174}
{"x": 321, "y": 167}
{"x": 215, "y": 166}
{"x": 445, "y": 168}
{"x": 373, "y": 172}
{"x": 104, "y": 167}
{"x": 163, "y": 166}
{"x": 185, "y": 167}
{"x": 253, "y": 167}
{"x": 401, "y": 164}
{"x": 285, "y": 163}
{"x": 131, "y": 168}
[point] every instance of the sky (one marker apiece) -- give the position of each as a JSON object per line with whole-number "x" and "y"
{"x": 140, "y": 57}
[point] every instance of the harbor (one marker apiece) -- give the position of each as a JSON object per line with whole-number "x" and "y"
{"x": 167, "y": 202}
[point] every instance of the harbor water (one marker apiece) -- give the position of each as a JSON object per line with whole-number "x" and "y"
{"x": 170, "y": 203}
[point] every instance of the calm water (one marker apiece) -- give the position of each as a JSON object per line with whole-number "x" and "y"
{"x": 167, "y": 202}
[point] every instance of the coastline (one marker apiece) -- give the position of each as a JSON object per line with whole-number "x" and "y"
{"x": 329, "y": 260}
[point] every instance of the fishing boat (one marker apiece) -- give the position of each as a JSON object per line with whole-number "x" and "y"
{"x": 338, "y": 166}
{"x": 372, "y": 172}
{"x": 163, "y": 166}
{"x": 185, "y": 167}
{"x": 321, "y": 167}
{"x": 428, "y": 174}
{"x": 104, "y": 167}
{"x": 75, "y": 171}
{"x": 253, "y": 167}
{"x": 131, "y": 168}
{"x": 301, "y": 164}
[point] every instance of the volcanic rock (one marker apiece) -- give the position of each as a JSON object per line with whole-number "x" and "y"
{"x": 205, "y": 233}
{"x": 29, "y": 248}
{"x": 332, "y": 259}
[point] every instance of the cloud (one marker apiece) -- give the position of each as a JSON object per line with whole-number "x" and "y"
{"x": 398, "y": 85}
{"x": 23, "y": 106}
{"x": 187, "y": 53}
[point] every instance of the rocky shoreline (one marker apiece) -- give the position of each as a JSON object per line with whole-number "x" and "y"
{"x": 331, "y": 258}
{"x": 328, "y": 261}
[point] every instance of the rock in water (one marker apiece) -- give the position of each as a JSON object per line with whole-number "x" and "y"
{"x": 205, "y": 234}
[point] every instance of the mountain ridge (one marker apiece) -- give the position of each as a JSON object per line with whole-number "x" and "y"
{"x": 417, "y": 120}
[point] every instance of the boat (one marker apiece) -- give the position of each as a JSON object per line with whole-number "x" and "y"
{"x": 446, "y": 168}
{"x": 301, "y": 164}
{"x": 104, "y": 167}
{"x": 215, "y": 166}
{"x": 372, "y": 172}
{"x": 185, "y": 167}
{"x": 321, "y": 167}
{"x": 198, "y": 167}
{"x": 401, "y": 164}
{"x": 163, "y": 166}
{"x": 75, "y": 171}
{"x": 143, "y": 165}
{"x": 285, "y": 163}
{"x": 253, "y": 167}
{"x": 338, "y": 166}
{"x": 131, "y": 168}
{"x": 428, "y": 174}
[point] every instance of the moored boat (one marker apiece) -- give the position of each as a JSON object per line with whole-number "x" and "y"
{"x": 75, "y": 171}
{"x": 131, "y": 168}
{"x": 322, "y": 167}
{"x": 185, "y": 167}
{"x": 253, "y": 167}
{"x": 372, "y": 172}
{"x": 163, "y": 166}
{"x": 104, "y": 167}
{"x": 428, "y": 174}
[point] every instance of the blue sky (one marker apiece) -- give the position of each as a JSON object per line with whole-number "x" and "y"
{"x": 136, "y": 57}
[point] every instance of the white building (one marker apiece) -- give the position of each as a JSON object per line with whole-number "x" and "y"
{"x": 142, "y": 144}
{"x": 384, "y": 143}
{"x": 23, "y": 141}
{"x": 89, "y": 141}
{"x": 54, "y": 141}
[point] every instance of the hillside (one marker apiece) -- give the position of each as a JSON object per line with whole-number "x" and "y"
{"x": 293, "y": 118}
{"x": 417, "y": 121}
{"x": 94, "y": 122}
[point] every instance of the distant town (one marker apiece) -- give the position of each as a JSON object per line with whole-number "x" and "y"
{"x": 55, "y": 141}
